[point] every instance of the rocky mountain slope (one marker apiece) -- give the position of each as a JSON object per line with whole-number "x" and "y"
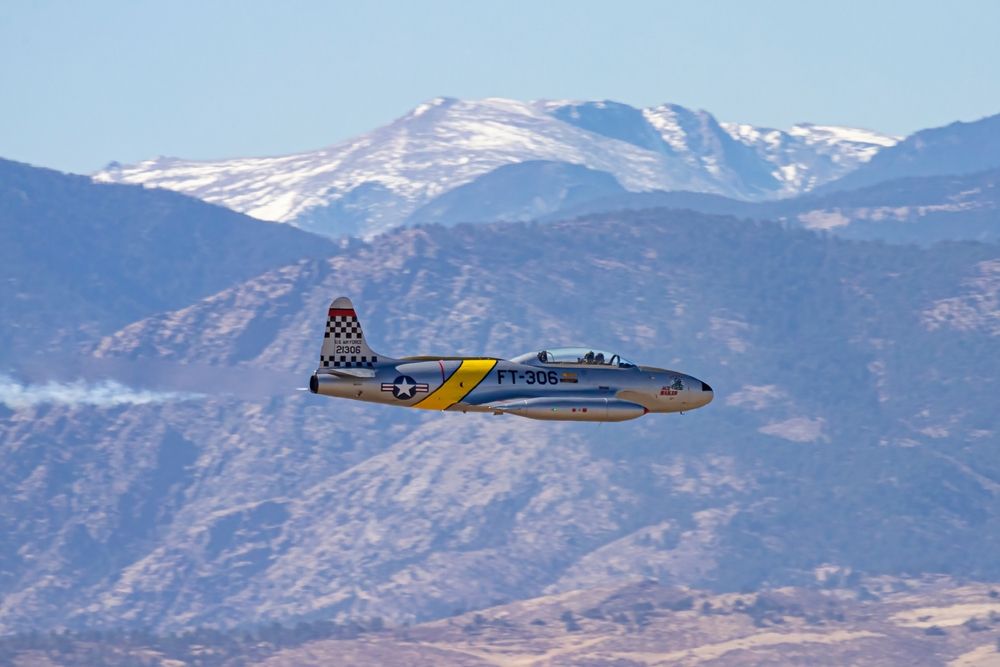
{"x": 922, "y": 210}
{"x": 642, "y": 624}
{"x": 79, "y": 260}
{"x": 373, "y": 182}
{"x": 880, "y": 621}
{"x": 853, "y": 427}
{"x": 957, "y": 148}
{"x": 519, "y": 192}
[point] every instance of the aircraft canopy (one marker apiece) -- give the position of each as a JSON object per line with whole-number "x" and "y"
{"x": 575, "y": 356}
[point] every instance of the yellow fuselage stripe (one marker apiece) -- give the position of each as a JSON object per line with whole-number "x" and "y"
{"x": 465, "y": 378}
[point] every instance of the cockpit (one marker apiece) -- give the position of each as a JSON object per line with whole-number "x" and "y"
{"x": 574, "y": 356}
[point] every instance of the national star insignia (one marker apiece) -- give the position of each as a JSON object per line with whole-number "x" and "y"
{"x": 404, "y": 387}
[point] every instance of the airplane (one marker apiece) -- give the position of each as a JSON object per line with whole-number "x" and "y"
{"x": 565, "y": 384}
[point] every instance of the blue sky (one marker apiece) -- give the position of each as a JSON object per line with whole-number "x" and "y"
{"x": 85, "y": 83}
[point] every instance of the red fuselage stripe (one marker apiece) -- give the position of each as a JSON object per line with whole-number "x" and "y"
{"x": 342, "y": 312}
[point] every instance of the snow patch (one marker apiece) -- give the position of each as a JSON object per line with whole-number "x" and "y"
{"x": 956, "y": 614}
{"x": 707, "y": 652}
{"x": 730, "y": 332}
{"x": 823, "y": 219}
{"x": 976, "y": 310}
{"x": 756, "y": 397}
{"x": 796, "y": 429}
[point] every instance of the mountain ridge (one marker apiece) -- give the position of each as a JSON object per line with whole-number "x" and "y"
{"x": 912, "y": 209}
{"x": 80, "y": 259}
{"x": 383, "y": 176}
{"x": 958, "y": 148}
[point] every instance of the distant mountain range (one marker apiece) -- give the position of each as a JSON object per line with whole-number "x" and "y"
{"x": 396, "y": 174}
{"x": 854, "y": 428}
{"x": 958, "y": 148}
{"x": 916, "y": 209}
{"x": 78, "y": 260}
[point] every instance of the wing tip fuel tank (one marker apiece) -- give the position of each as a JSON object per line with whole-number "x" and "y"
{"x": 578, "y": 409}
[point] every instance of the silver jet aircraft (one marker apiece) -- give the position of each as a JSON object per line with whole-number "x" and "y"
{"x": 570, "y": 384}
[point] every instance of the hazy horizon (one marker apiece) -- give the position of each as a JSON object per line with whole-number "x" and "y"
{"x": 124, "y": 81}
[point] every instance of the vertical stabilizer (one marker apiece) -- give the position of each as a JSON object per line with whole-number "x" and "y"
{"x": 344, "y": 343}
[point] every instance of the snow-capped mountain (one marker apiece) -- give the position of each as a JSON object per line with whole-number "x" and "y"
{"x": 366, "y": 185}
{"x": 955, "y": 149}
{"x": 806, "y": 154}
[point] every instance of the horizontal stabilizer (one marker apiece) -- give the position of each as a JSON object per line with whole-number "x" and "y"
{"x": 351, "y": 372}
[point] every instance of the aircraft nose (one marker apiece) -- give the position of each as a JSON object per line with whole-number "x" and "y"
{"x": 706, "y": 393}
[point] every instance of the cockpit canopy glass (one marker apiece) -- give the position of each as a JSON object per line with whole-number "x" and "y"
{"x": 576, "y": 356}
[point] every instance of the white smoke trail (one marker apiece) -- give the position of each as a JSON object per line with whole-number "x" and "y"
{"x": 108, "y": 393}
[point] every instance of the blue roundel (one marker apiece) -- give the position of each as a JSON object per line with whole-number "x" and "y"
{"x": 403, "y": 387}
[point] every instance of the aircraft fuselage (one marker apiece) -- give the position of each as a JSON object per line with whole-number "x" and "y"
{"x": 573, "y": 384}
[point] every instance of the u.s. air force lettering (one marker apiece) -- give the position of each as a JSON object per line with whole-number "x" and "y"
{"x": 569, "y": 383}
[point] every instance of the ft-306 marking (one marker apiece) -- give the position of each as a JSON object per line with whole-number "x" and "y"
{"x": 528, "y": 377}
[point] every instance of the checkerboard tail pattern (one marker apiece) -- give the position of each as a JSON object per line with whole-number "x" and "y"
{"x": 344, "y": 343}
